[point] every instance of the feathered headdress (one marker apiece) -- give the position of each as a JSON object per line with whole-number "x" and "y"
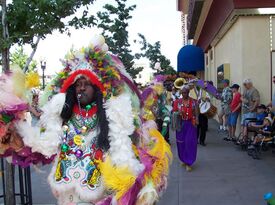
{"x": 103, "y": 69}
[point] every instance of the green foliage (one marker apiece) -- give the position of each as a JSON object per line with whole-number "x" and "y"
{"x": 153, "y": 53}
{"x": 29, "y": 18}
{"x": 114, "y": 21}
{"x": 19, "y": 58}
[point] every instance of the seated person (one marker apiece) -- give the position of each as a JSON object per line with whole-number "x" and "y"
{"x": 254, "y": 126}
{"x": 264, "y": 131}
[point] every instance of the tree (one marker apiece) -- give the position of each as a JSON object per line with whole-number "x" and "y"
{"x": 5, "y": 37}
{"x": 114, "y": 21}
{"x": 153, "y": 53}
{"x": 19, "y": 58}
{"x": 28, "y": 21}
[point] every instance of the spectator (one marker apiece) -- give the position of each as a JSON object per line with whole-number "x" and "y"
{"x": 265, "y": 130}
{"x": 250, "y": 101}
{"x": 260, "y": 116}
{"x": 175, "y": 94}
{"x": 226, "y": 99}
{"x": 235, "y": 108}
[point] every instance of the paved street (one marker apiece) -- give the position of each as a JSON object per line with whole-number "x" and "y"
{"x": 223, "y": 174}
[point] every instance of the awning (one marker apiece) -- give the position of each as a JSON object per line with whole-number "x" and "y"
{"x": 190, "y": 58}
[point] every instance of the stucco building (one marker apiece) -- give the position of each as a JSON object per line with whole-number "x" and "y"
{"x": 237, "y": 37}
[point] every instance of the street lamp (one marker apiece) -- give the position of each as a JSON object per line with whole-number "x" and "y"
{"x": 43, "y": 67}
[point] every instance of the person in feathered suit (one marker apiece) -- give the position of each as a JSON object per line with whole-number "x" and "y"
{"x": 105, "y": 153}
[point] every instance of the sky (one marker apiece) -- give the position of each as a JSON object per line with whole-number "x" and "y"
{"x": 158, "y": 20}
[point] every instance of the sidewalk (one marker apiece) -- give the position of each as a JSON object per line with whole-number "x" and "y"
{"x": 222, "y": 175}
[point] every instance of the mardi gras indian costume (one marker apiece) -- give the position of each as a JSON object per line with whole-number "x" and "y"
{"x": 104, "y": 153}
{"x": 156, "y": 106}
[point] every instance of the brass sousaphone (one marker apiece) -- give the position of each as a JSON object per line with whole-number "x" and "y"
{"x": 179, "y": 83}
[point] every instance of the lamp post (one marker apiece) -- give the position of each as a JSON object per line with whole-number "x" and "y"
{"x": 43, "y": 67}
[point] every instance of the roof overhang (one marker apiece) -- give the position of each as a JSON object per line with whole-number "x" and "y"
{"x": 216, "y": 17}
{"x": 235, "y": 15}
{"x": 193, "y": 17}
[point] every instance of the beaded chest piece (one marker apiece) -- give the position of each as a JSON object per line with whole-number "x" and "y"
{"x": 79, "y": 154}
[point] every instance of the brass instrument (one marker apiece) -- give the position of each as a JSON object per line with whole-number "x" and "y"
{"x": 179, "y": 83}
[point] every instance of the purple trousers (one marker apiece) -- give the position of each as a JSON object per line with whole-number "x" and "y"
{"x": 187, "y": 142}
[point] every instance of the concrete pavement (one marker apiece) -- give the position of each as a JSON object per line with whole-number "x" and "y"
{"x": 222, "y": 175}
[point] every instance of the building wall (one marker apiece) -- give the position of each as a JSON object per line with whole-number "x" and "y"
{"x": 256, "y": 53}
{"x": 246, "y": 47}
{"x": 229, "y": 50}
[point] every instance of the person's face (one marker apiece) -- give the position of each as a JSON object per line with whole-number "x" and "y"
{"x": 260, "y": 110}
{"x": 35, "y": 99}
{"x": 185, "y": 93}
{"x": 273, "y": 79}
{"x": 173, "y": 90}
{"x": 84, "y": 88}
{"x": 266, "y": 122}
{"x": 248, "y": 85}
{"x": 225, "y": 85}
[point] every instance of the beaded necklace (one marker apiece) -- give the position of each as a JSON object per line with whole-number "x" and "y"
{"x": 187, "y": 110}
{"x": 73, "y": 140}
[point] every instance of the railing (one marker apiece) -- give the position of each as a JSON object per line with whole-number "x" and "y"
{"x": 21, "y": 179}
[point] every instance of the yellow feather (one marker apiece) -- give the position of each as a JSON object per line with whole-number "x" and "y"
{"x": 160, "y": 145}
{"x": 32, "y": 80}
{"x": 158, "y": 88}
{"x": 18, "y": 80}
{"x": 163, "y": 155}
{"x": 117, "y": 179}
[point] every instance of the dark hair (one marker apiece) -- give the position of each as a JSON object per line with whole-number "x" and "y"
{"x": 34, "y": 96}
{"x": 67, "y": 112}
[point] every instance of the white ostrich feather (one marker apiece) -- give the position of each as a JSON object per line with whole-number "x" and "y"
{"x": 121, "y": 126}
{"x": 47, "y": 142}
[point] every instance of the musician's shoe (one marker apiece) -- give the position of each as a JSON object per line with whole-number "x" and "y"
{"x": 203, "y": 144}
{"x": 227, "y": 139}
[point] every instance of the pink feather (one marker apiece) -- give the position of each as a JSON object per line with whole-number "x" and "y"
{"x": 130, "y": 197}
{"x": 105, "y": 201}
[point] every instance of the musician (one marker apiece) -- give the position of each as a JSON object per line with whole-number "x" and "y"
{"x": 187, "y": 136}
{"x": 203, "y": 120}
{"x": 175, "y": 94}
